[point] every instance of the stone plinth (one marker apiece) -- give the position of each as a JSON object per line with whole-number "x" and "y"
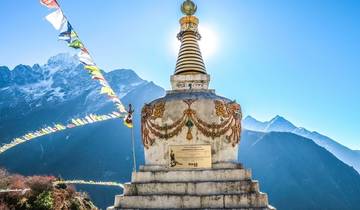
{"x": 225, "y": 186}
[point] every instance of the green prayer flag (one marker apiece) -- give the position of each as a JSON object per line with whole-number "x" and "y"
{"x": 76, "y": 44}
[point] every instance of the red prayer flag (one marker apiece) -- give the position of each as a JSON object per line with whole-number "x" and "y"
{"x": 50, "y": 3}
{"x": 85, "y": 50}
{"x": 98, "y": 78}
{"x": 112, "y": 97}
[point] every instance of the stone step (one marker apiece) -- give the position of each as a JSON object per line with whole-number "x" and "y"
{"x": 265, "y": 208}
{"x": 191, "y": 175}
{"x": 245, "y": 200}
{"x": 222, "y": 165}
{"x": 191, "y": 188}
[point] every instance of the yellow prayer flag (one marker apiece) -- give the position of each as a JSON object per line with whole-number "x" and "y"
{"x": 107, "y": 90}
{"x": 75, "y": 122}
{"x": 92, "y": 68}
{"x": 79, "y": 121}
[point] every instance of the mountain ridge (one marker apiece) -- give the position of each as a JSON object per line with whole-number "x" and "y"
{"x": 60, "y": 84}
{"x": 297, "y": 173}
{"x": 280, "y": 124}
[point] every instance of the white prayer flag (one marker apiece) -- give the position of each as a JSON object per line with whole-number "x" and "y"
{"x": 85, "y": 58}
{"x": 121, "y": 108}
{"x": 56, "y": 19}
{"x": 116, "y": 100}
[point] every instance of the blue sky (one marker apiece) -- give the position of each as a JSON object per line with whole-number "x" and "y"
{"x": 299, "y": 59}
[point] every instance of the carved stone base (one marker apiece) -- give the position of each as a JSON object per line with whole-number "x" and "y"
{"x": 227, "y": 187}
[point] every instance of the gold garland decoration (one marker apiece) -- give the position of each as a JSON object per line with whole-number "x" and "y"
{"x": 229, "y": 113}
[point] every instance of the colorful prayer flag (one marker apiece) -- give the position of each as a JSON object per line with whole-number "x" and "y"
{"x": 103, "y": 82}
{"x": 100, "y": 78}
{"x": 93, "y": 117}
{"x": 51, "y": 129}
{"x": 89, "y": 119}
{"x": 80, "y": 121}
{"x": 117, "y": 114}
{"x": 85, "y": 50}
{"x": 75, "y": 122}
{"x": 107, "y": 90}
{"x": 128, "y": 120}
{"x": 85, "y": 58}
{"x": 116, "y": 100}
{"x": 56, "y": 19}
{"x": 96, "y": 74}
{"x": 120, "y": 107}
{"x": 76, "y": 44}
{"x": 92, "y": 68}
{"x": 71, "y": 125}
{"x": 50, "y": 3}
{"x": 67, "y": 33}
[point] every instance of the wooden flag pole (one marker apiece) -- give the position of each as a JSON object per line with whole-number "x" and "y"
{"x": 133, "y": 149}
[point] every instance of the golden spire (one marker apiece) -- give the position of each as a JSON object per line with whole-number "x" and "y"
{"x": 189, "y": 59}
{"x": 188, "y": 8}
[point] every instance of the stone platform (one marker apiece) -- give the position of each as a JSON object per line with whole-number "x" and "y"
{"x": 225, "y": 186}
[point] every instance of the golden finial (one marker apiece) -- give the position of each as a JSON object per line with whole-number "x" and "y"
{"x": 188, "y": 8}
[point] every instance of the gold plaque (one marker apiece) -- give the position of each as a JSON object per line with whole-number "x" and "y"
{"x": 190, "y": 156}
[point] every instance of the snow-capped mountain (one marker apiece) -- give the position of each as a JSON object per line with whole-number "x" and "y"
{"x": 62, "y": 78}
{"x": 280, "y": 124}
{"x": 61, "y": 89}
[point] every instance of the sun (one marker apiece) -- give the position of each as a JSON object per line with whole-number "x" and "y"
{"x": 208, "y": 43}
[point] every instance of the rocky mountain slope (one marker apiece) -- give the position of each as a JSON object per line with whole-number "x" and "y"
{"x": 298, "y": 174}
{"x": 280, "y": 124}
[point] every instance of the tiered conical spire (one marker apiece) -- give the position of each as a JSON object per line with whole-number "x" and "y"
{"x": 189, "y": 60}
{"x": 190, "y": 72}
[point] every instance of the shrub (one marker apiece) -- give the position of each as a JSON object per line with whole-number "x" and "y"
{"x": 4, "y": 179}
{"x": 39, "y": 184}
{"x": 44, "y": 201}
{"x": 3, "y": 206}
{"x": 42, "y": 195}
{"x": 17, "y": 182}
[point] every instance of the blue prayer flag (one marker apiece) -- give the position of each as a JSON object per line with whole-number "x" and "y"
{"x": 67, "y": 33}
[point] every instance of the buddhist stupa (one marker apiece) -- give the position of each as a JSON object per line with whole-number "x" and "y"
{"x": 191, "y": 139}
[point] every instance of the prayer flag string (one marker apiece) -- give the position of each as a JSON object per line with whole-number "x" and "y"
{"x": 67, "y": 33}
{"x": 57, "y": 127}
